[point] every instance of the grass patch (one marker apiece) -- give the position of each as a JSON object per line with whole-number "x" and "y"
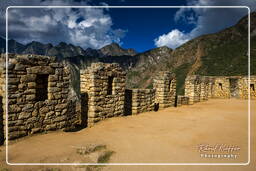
{"x": 181, "y": 73}
{"x": 105, "y": 157}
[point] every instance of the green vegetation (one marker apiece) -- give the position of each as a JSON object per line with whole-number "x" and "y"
{"x": 181, "y": 73}
{"x": 229, "y": 58}
{"x": 106, "y": 157}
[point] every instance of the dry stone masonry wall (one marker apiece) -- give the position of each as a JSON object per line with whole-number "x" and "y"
{"x": 200, "y": 88}
{"x": 104, "y": 93}
{"x": 165, "y": 86}
{"x": 104, "y": 84}
{"x": 221, "y": 87}
{"x": 139, "y": 101}
{"x": 182, "y": 100}
{"x": 38, "y": 95}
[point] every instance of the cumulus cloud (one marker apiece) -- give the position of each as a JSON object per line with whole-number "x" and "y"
{"x": 86, "y": 27}
{"x": 204, "y": 20}
{"x": 173, "y": 39}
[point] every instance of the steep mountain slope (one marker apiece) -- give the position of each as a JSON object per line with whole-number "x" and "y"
{"x": 222, "y": 53}
{"x": 114, "y": 49}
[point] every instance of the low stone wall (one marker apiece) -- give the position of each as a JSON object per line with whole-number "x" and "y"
{"x": 182, "y": 100}
{"x": 104, "y": 84}
{"x": 139, "y": 101}
{"x": 38, "y": 95}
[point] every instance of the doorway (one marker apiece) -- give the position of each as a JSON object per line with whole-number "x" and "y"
{"x": 233, "y": 82}
{"x": 84, "y": 109}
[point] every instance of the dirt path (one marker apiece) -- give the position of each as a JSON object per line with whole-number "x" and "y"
{"x": 168, "y": 136}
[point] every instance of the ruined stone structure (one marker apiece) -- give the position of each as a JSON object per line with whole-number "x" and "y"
{"x": 200, "y": 88}
{"x": 104, "y": 87}
{"x": 182, "y": 100}
{"x": 104, "y": 93}
{"x": 139, "y": 101}
{"x": 38, "y": 95}
{"x": 220, "y": 87}
{"x": 165, "y": 86}
{"x": 192, "y": 88}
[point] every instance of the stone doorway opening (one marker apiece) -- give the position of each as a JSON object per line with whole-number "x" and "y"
{"x": 252, "y": 88}
{"x": 110, "y": 85}
{"x": 233, "y": 82}
{"x": 84, "y": 109}
{"x": 42, "y": 87}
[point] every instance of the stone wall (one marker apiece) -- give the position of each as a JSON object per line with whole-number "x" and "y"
{"x": 182, "y": 100}
{"x": 200, "y": 88}
{"x": 139, "y": 100}
{"x": 38, "y": 95}
{"x": 2, "y": 82}
{"x": 204, "y": 85}
{"x": 104, "y": 84}
{"x": 243, "y": 87}
{"x": 193, "y": 88}
{"x": 1, "y": 122}
{"x": 221, "y": 87}
{"x": 165, "y": 85}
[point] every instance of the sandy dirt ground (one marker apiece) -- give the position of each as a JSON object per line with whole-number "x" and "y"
{"x": 172, "y": 135}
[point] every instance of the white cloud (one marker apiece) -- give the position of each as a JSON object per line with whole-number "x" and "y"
{"x": 173, "y": 39}
{"x": 205, "y": 21}
{"x": 89, "y": 27}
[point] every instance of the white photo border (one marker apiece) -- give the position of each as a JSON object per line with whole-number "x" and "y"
{"x": 106, "y": 7}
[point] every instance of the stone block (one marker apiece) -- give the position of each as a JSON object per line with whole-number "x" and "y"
{"x": 24, "y": 115}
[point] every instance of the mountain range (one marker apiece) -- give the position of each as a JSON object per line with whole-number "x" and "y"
{"x": 64, "y": 50}
{"x": 221, "y": 53}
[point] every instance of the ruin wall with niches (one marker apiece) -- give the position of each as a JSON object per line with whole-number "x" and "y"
{"x": 165, "y": 85}
{"x": 244, "y": 87}
{"x": 221, "y": 87}
{"x": 104, "y": 87}
{"x": 200, "y": 88}
{"x": 38, "y": 95}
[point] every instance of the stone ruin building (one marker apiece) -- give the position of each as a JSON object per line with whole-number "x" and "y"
{"x": 104, "y": 95}
{"x": 103, "y": 91}
{"x": 165, "y": 86}
{"x": 200, "y": 88}
{"x": 40, "y": 94}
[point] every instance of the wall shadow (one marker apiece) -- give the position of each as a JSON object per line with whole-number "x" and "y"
{"x": 176, "y": 101}
{"x": 156, "y": 107}
{"x": 84, "y": 109}
{"x": 128, "y": 102}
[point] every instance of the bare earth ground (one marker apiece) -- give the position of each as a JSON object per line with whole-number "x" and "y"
{"x": 171, "y": 135}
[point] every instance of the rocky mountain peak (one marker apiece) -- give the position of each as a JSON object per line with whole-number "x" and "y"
{"x": 114, "y": 49}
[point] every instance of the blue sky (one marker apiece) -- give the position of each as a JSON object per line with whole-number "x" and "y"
{"x": 141, "y": 29}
